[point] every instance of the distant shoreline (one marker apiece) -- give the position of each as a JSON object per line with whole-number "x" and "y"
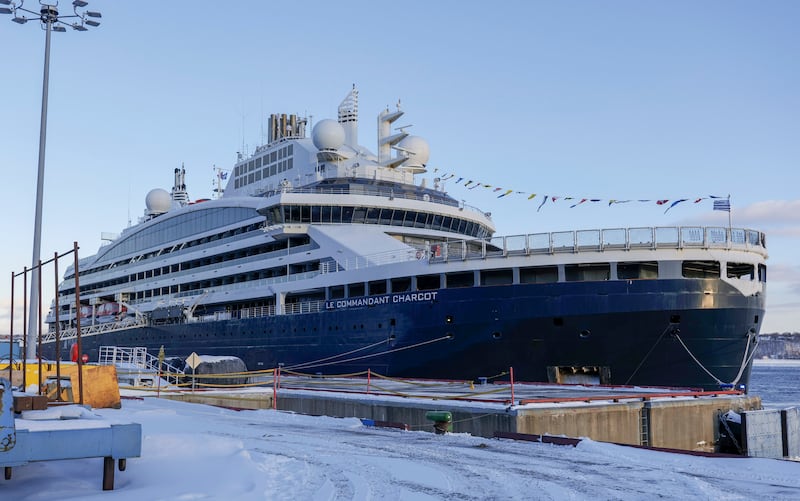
{"x": 777, "y": 361}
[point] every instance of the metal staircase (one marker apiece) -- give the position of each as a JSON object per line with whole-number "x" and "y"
{"x": 137, "y": 367}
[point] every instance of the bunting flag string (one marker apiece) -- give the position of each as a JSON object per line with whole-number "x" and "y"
{"x": 720, "y": 202}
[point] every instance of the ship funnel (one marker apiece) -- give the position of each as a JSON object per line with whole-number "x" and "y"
{"x": 285, "y": 126}
{"x": 348, "y": 118}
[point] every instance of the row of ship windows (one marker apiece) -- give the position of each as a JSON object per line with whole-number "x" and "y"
{"x": 295, "y": 243}
{"x": 644, "y": 270}
{"x": 166, "y": 231}
{"x": 288, "y": 214}
{"x": 268, "y": 171}
{"x": 272, "y": 157}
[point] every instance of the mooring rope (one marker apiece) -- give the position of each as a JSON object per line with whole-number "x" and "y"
{"x": 362, "y": 357}
{"x": 745, "y": 358}
{"x": 648, "y": 354}
{"x": 305, "y": 365}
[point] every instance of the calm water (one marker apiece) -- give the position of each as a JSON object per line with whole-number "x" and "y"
{"x": 777, "y": 383}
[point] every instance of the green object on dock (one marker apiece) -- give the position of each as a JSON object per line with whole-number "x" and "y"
{"x": 439, "y": 416}
{"x": 442, "y": 421}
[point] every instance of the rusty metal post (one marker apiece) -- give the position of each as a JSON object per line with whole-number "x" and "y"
{"x": 39, "y": 321}
{"x": 58, "y": 331}
{"x": 78, "y": 324}
{"x": 11, "y": 332}
{"x": 25, "y": 329}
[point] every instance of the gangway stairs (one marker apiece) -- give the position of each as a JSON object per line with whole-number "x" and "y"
{"x": 136, "y": 367}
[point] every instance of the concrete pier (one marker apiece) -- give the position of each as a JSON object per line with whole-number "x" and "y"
{"x": 656, "y": 417}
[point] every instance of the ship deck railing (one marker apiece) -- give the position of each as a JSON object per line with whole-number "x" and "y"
{"x": 599, "y": 240}
{"x": 94, "y": 329}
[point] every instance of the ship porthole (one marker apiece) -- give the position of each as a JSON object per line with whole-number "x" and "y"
{"x": 496, "y": 335}
{"x": 585, "y": 333}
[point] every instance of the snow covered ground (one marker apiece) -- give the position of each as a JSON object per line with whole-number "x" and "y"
{"x": 197, "y": 452}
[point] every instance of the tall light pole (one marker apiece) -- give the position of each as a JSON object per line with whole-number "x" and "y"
{"x": 50, "y": 20}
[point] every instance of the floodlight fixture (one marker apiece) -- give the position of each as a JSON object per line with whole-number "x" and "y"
{"x": 51, "y": 21}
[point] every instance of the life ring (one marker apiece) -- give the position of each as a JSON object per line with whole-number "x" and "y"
{"x": 419, "y": 254}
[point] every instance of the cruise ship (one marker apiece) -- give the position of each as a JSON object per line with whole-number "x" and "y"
{"x": 323, "y": 257}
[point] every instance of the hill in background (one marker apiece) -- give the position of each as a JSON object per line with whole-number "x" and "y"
{"x": 779, "y": 345}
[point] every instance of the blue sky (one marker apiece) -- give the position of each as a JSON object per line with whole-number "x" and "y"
{"x": 611, "y": 100}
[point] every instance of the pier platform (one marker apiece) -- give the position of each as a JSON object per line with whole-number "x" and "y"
{"x": 672, "y": 418}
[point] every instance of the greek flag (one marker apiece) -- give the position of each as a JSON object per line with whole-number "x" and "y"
{"x": 722, "y": 205}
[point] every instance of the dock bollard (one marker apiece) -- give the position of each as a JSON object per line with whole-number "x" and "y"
{"x": 442, "y": 421}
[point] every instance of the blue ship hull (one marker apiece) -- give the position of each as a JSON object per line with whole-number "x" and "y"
{"x": 641, "y": 332}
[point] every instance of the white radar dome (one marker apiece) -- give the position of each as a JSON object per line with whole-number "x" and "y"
{"x": 328, "y": 135}
{"x": 158, "y": 201}
{"x": 417, "y": 150}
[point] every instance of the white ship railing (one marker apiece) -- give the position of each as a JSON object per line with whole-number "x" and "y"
{"x": 672, "y": 237}
{"x": 92, "y": 330}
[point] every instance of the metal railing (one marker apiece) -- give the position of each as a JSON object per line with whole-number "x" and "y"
{"x": 672, "y": 237}
{"x": 136, "y": 360}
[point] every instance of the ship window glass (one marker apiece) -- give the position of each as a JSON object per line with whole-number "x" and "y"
{"x": 377, "y": 287}
{"x": 336, "y": 214}
{"x": 359, "y": 213}
{"x": 497, "y": 277}
{"x": 250, "y": 178}
{"x": 290, "y": 149}
{"x": 421, "y": 218}
{"x": 258, "y": 175}
{"x": 409, "y": 219}
{"x": 637, "y": 270}
{"x": 436, "y": 224}
{"x": 372, "y": 215}
{"x": 251, "y": 165}
{"x": 347, "y": 214}
{"x": 397, "y": 219}
{"x": 386, "y": 216}
{"x": 305, "y": 214}
{"x": 401, "y": 284}
{"x": 446, "y": 223}
{"x": 272, "y": 170}
{"x": 326, "y": 213}
{"x": 428, "y": 282}
{"x": 587, "y": 272}
{"x": 258, "y": 162}
{"x": 315, "y": 214}
{"x": 355, "y": 290}
{"x": 336, "y": 292}
{"x": 741, "y": 270}
{"x": 289, "y": 163}
{"x": 273, "y": 157}
{"x": 462, "y": 279}
{"x": 762, "y": 273}
{"x": 539, "y": 275}
{"x": 265, "y": 172}
{"x": 701, "y": 269}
